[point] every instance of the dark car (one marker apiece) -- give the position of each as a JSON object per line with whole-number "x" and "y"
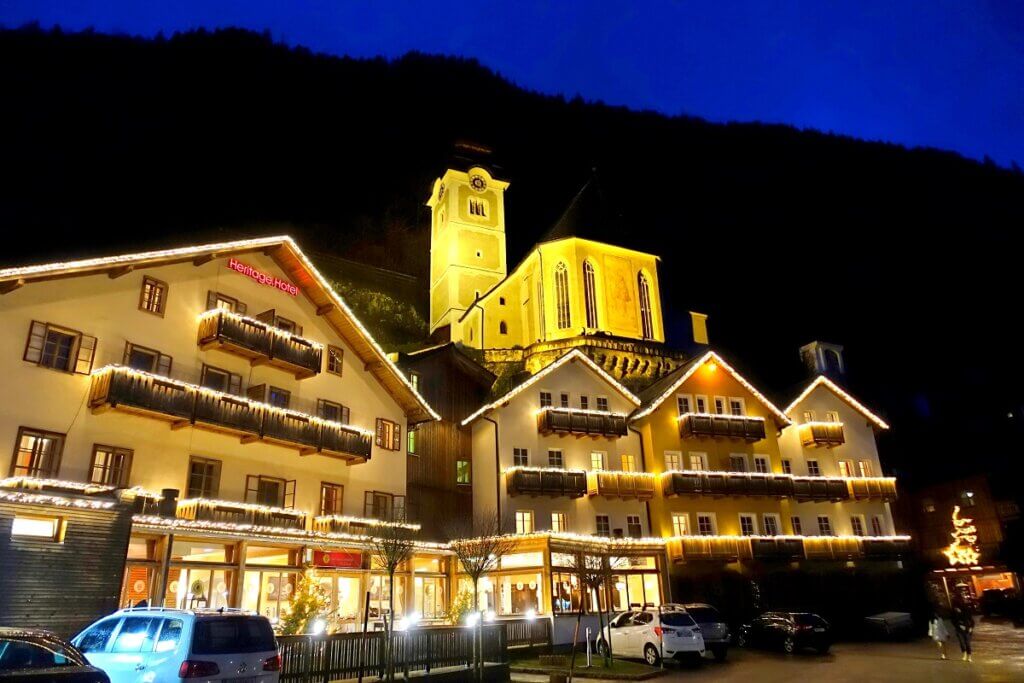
{"x": 998, "y": 602}
{"x": 712, "y": 627}
{"x": 790, "y": 631}
{"x": 35, "y": 655}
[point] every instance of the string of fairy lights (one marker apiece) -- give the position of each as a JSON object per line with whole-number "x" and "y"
{"x": 277, "y": 331}
{"x": 841, "y": 393}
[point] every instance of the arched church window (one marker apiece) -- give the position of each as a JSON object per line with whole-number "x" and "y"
{"x": 562, "y": 296}
{"x": 590, "y": 293}
{"x": 646, "y": 319}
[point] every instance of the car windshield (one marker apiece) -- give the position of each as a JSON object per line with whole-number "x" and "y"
{"x": 233, "y": 635}
{"x": 677, "y": 619}
{"x": 704, "y": 615}
{"x": 809, "y": 620}
{"x": 17, "y": 653}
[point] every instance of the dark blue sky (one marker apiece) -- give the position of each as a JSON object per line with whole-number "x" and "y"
{"x": 943, "y": 73}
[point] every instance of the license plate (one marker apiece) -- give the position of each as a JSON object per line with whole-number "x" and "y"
{"x": 819, "y": 630}
{"x": 247, "y": 679}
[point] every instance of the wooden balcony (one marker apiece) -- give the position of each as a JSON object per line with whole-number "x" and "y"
{"x": 185, "y": 405}
{"x": 204, "y": 510}
{"x": 261, "y": 343}
{"x": 779, "y": 549}
{"x": 885, "y": 548}
{"x": 811, "y": 489}
{"x": 341, "y": 524}
{"x": 580, "y": 423}
{"x": 540, "y": 482}
{"x": 703, "y": 426}
{"x": 872, "y": 488}
{"x": 714, "y": 548}
{"x": 822, "y": 434}
{"x": 621, "y": 485}
{"x": 725, "y": 484}
{"x": 785, "y": 548}
{"x": 831, "y": 548}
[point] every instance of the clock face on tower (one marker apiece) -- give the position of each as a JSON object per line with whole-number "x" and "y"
{"x": 478, "y": 183}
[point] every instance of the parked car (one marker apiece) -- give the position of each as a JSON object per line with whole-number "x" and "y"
{"x": 713, "y": 628}
{"x": 36, "y": 655}
{"x": 653, "y": 634}
{"x": 158, "y": 644}
{"x": 790, "y": 631}
{"x": 998, "y": 602}
{"x": 890, "y": 625}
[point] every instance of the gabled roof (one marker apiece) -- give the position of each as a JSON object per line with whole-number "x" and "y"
{"x": 654, "y": 395}
{"x": 573, "y": 355}
{"x": 841, "y": 393}
{"x": 589, "y": 215}
{"x": 286, "y": 253}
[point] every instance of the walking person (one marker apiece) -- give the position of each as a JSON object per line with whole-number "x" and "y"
{"x": 963, "y": 623}
{"x": 940, "y": 629}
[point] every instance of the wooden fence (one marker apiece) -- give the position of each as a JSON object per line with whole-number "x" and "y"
{"x": 318, "y": 659}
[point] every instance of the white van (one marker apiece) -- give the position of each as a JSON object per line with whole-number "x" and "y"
{"x": 141, "y": 645}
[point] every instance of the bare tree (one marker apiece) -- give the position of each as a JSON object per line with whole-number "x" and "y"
{"x": 393, "y": 546}
{"x": 478, "y": 545}
{"x": 591, "y": 571}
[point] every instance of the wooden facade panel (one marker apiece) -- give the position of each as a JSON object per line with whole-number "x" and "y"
{"x": 62, "y": 586}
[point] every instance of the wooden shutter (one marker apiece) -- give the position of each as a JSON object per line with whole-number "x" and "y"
{"x": 252, "y": 486}
{"x": 240, "y": 308}
{"x": 235, "y": 384}
{"x": 257, "y": 392}
{"x": 211, "y": 300}
{"x": 289, "y": 494}
{"x": 35, "y": 342}
{"x": 380, "y": 433}
{"x": 86, "y": 354}
{"x": 163, "y": 365}
{"x": 396, "y": 437}
{"x": 267, "y": 317}
{"x": 368, "y": 504}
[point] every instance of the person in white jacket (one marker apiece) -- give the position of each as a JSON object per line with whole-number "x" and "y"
{"x": 940, "y": 629}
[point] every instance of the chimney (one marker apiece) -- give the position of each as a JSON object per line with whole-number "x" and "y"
{"x": 699, "y": 322}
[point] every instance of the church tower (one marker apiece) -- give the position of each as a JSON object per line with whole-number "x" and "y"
{"x": 467, "y": 244}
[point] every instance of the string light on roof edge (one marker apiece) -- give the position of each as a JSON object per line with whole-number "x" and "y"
{"x": 843, "y": 394}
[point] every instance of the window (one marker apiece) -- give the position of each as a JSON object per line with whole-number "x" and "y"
{"x": 503, "y": 327}
{"x": 808, "y": 416}
{"x": 705, "y": 524}
{"x": 521, "y": 457}
{"x": 110, "y": 466}
{"x": 135, "y": 635}
{"x": 289, "y": 326}
{"x": 736, "y": 406}
{"x": 719, "y": 405}
{"x": 410, "y": 442}
{"x": 563, "y": 318}
{"x": 701, "y": 403}
{"x": 737, "y": 462}
{"x": 928, "y": 504}
{"x": 335, "y": 358}
{"x": 684, "y": 403}
{"x": 787, "y": 466}
{"x": 604, "y": 527}
{"x": 383, "y": 505}
{"x": 555, "y": 458}
{"x": 501, "y": 301}
{"x": 590, "y": 293}
{"x": 524, "y": 521}
{"x": 38, "y": 453}
{"x": 824, "y": 525}
{"x": 865, "y": 468}
{"x": 628, "y": 463}
{"x": 564, "y": 400}
{"x": 37, "y": 528}
{"x": 831, "y": 416}
{"x": 673, "y": 460}
{"x": 170, "y": 634}
{"x": 748, "y": 525}
{"x": 772, "y": 526}
{"x": 329, "y": 410}
{"x": 545, "y": 399}
{"x": 278, "y": 397}
{"x": 633, "y": 527}
{"x": 153, "y": 297}
{"x": 596, "y": 460}
{"x": 967, "y": 499}
{"x": 146, "y": 359}
{"x": 59, "y": 348}
{"x": 584, "y": 402}
{"x": 877, "y": 525}
{"x": 798, "y": 526}
{"x": 845, "y": 468}
{"x": 813, "y": 469}
{"x": 221, "y": 380}
{"x": 857, "y": 525}
{"x": 646, "y": 319}
{"x": 216, "y": 300}
{"x": 203, "y": 477}
{"x": 761, "y": 464}
{"x": 602, "y": 404}
{"x": 271, "y": 491}
{"x": 698, "y": 461}
{"x": 680, "y": 524}
{"x": 477, "y": 207}
{"x": 414, "y": 380}
{"x": 332, "y": 497}
{"x": 462, "y": 472}
{"x": 558, "y": 522}
{"x": 95, "y": 639}
{"x": 389, "y": 434}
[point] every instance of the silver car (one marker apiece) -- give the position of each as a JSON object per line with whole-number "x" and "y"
{"x": 712, "y": 627}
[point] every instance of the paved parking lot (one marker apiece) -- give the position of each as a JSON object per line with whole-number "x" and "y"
{"x": 999, "y": 656}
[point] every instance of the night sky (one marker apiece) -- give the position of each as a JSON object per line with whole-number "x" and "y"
{"x": 942, "y": 73}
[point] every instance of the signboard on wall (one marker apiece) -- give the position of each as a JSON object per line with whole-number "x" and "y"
{"x": 337, "y": 559}
{"x": 262, "y": 278}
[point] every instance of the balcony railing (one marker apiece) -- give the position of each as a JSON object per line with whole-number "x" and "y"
{"x": 581, "y": 422}
{"x": 359, "y": 526}
{"x": 542, "y": 482}
{"x": 703, "y": 425}
{"x": 803, "y": 489}
{"x": 185, "y": 404}
{"x": 779, "y": 548}
{"x": 205, "y": 510}
{"x": 260, "y": 342}
{"x": 873, "y": 488}
{"x": 822, "y": 434}
{"x": 786, "y": 548}
{"x": 621, "y": 485}
{"x": 809, "y": 489}
{"x": 720, "y": 548}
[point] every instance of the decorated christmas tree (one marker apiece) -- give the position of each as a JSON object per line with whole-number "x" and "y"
{"x": 963, "y": 549}
{"x": 309, "y": 604}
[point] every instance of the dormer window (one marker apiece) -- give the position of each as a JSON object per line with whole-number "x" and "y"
{"x": 477, "y": 207}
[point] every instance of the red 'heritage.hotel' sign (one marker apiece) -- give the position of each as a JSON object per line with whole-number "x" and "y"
{"x": 263, "y": 278}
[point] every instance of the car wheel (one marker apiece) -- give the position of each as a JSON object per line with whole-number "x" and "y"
{"x": 602, "y": 648}
{"x": 651, "y": 655}
{"x": 719, "y": 653}
{"x": 789, "y": 645}
{"x": 742, "y": 640}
